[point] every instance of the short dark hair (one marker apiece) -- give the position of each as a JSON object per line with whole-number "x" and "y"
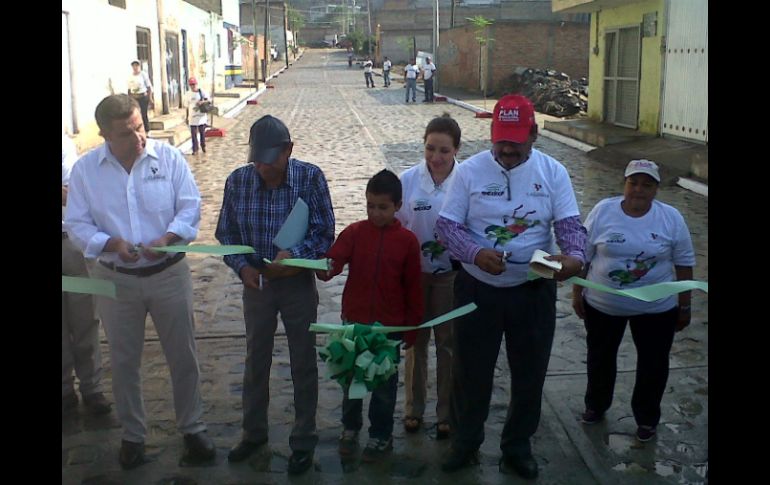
{"x": 385, "y": 182}
{"x": 115, "y": 107}
{"x": 444, "y": 124}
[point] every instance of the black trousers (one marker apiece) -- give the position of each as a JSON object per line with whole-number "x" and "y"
{"x": 144, "y": 104}
{"x": 526, "y": 315}
{"x": 428, "y": 89}
{"x": 653, "y": 334}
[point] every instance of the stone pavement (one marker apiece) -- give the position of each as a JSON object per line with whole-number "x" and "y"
{"x": 351, "y": 132}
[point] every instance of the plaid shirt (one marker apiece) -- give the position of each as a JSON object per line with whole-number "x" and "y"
{"x": 252, "y": 214}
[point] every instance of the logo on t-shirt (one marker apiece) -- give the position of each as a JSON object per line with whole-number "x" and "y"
{"x": 422, "y": 205}
{"x": 616, "y": 238}
{"x": 493, "y": 190}
{"x": 635, "y": 269}
{"x": 502, "y": 235}
{"x": 537, "y": 192}
{"x": 654, "y": 236}
{"x": 434, "y": 248}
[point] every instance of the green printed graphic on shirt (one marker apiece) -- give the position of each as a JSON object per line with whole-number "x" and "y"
{"x": 518, "y": 225}
{"x": 635, "y": 269}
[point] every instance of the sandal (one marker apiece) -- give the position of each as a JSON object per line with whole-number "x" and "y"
{"x": 442, "y": 430}
{"x": 412, "y": 424}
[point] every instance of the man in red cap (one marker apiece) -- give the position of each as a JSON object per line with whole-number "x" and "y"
{"x": 498, "y": 211}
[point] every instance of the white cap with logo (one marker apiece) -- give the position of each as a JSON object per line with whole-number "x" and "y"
{"x": 644, "y": 166}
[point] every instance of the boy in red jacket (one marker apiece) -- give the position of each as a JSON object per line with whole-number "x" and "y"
{"x": 383, "y": 286}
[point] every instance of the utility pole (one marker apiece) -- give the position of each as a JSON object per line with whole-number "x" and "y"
{"x": 452, "y": 16}
{"x": 435, "y": 42}
{"x": 268, "y": 57}
{"x": 254, "y": 44}
{"x": 369, "y": 14}
{"x": 163, "y": 73}
{"x": 285, "y": 37}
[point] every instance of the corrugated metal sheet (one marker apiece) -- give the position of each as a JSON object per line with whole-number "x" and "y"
{"x": 685, "y": 92}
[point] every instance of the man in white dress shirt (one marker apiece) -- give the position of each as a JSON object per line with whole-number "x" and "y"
{"x": 125, "y": 197}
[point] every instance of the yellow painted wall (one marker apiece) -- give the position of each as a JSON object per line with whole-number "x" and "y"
{"x": 651, "y": 61}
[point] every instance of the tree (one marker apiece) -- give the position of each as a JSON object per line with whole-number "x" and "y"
{"x": 296, "y": 22}
{"x": 481, "y": 25}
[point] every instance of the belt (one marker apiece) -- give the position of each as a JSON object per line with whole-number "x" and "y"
{"x": 146, "y": 270}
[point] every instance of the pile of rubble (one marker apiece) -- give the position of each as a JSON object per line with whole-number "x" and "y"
{"x": 551, "y": 91}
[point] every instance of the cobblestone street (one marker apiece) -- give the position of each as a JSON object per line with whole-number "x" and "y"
{"x": 352, "y": 132}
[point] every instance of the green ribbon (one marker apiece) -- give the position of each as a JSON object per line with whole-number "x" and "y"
{"x": 224, "y": 250}
{"x": 360, "y": 357}
{"x": 90, "y": 286}
{"x": 319, "y": 264}
{"x": 646, "y": 293}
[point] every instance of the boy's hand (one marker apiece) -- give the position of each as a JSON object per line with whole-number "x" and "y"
{"x": 323, "y": 275}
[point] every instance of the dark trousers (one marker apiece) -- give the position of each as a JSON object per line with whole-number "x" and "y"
{"x": 428, "y": 89}
{"x": 144, "y": 103}
{"x": 653, "y": 335}
{"x": 296, "y": 298}
{"x": 386, "y": 77}
{"x": 194, "y": 131}
{"x": 526, "y": 315}
{"x": 382, "y": 405}
{"x": 369, "y": 79}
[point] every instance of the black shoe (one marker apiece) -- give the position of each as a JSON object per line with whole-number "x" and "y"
{"x": 131, "y": 454}
{"x": 243, "y": 450}
{"x": 69, "y": 403}
{"x": 198, "y": 448}
{"x": 525, "y": 465}
{"x": 96, "y": 404}
{"x": 300, "y": 461}
{"x": 645, "y": 433}
{"x": 203, "y": 148}
{"x": 590, "y": 416}
{"x": 457, "y": 459}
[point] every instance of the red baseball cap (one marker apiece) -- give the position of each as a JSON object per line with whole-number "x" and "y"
{"x": 192, "y": 80}
{"x": 512, "y": 119}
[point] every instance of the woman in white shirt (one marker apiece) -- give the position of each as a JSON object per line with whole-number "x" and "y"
{"x": 197, "y": 119}
{"x": 424, "y": 186}
{"x": 633, "y": 240}
{"x": 140, "y": 88}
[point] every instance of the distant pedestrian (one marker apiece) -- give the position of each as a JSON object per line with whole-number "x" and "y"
{"x": 383, "y": 286}
{"x": 386, "y": 65}
{"x": 127, "y": 196}
{"x": 425, "y": 186}
{"x": 257, "y": 200}
{"x": 633, "y": 240}
{"x": 411, "y": 71}
{"x": 368, "y": 72}
{"x": 428, "y": 71}
{"x": 80, "y": 351}
{"x": 350, "y": 56}
{"x": 140, "y": 88}
{"x": 197, "y": 119}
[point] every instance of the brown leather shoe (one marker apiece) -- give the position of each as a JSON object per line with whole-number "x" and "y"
{"x": 198, "y": 448}
{"x": 131, "y": 454}
{"x": 96, "y": 404}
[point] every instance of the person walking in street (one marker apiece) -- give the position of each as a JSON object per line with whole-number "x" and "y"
{"x": 500, "y": 208}
{"x": 127, "y": 196}
{"x": 350, "y": 57}
{"x": 257, "y": 200}
{"x": 80, "y": 351}
{"x": 140, "y": 88}
{"x": 425, "y": 186}
{"x": 411, "y": 71}
{"x": 197, "y": 119}
{"x": 368, "y": 72}
{"x": 386, "y": 65}
{"x": 428, "y": 71}
{"x": 633, "y": 240}
{"x": 383, "y": 286}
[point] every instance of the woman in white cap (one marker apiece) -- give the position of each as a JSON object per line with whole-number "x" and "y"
{"x": 633, "y": 241}
{"x": 197, "y": 118}
{"x": 140, "y": 88}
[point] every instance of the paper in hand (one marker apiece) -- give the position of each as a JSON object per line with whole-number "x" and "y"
{"x": 541, "y": 266}
{"x": 295, "y": 227}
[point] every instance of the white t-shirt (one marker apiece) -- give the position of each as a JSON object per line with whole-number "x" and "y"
{"x": 419, "y": 212}
{"x": 386, "y": 65}
{"x": 196, "y": 118}
{"x": 139, "y": 83}
{"x": 411, "y": 71}
{"x": 427, "y": 71}
{"x": 517, "y": 220}
{"x": 629, "y": 252}
{"x": 367, "y": 66}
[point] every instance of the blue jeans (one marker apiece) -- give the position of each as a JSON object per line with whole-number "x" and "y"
{"x": 411, "y": 85}
{"x": 386, "y": 77}
{"x": 369, "y": 79}
{"x": 382, "y": 405}
{"x": 194, "y": 131}
{"x": 429, "y": 89}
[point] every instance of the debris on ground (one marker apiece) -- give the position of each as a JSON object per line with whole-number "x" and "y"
{"x": 551, "y": 92}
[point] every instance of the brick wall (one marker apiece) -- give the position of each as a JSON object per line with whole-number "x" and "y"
{"x": 563, "y": 46}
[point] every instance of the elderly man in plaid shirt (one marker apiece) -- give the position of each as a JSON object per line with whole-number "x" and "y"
{"x": 257, "y": 200}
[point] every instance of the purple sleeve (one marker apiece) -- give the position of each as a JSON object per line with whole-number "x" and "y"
{"x": 571, "y": 237}
{"x": 456, "y": 238}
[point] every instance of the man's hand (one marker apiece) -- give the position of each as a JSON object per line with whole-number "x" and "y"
{"x": 63, "y": 195}
{"x": 126, "y": 251}
{"x": 685, "y": 315}
{"x": 577, "y": 302}
{"x": 165, "y": 240}
{"x": 250, "y": 277}
{"x": 490, "y": 261}
{"x": 275, "y": 271}
{"x": 570, "y": 266}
